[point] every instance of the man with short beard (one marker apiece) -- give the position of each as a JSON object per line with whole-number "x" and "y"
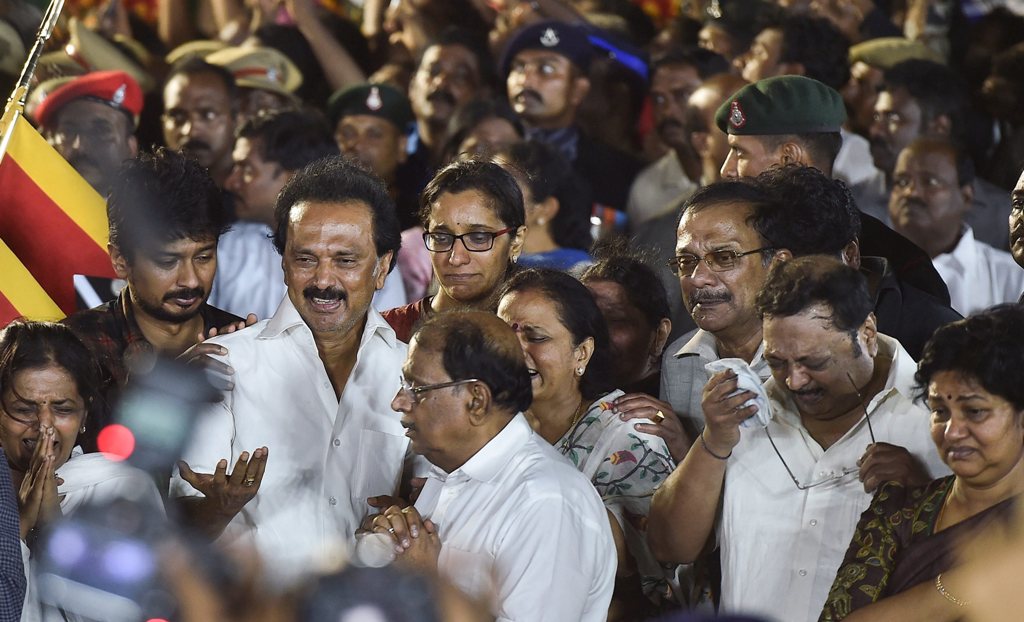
{"x": 91, "y": 122}
{"x": 165, "y": 216}
{"x": 1017, "y": 224}
{"x": 200, "y": 106}
{"x": 673, "y": 177}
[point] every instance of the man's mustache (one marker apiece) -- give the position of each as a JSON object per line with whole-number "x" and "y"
{"x": 706, "y": 297}
{"x": 523, "y": 94}
{"x": 329, "y": 293}
{"x": 443, "y": 96}
{"x": 185, "y": 293}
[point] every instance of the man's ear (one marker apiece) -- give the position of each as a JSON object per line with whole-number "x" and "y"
{"x": 118, "y": 261}
{"x": 782, "y": 254}
{"x": 133, "y": 145}
{"x": 869, "y": 330}
{"x": 851, "y": 254}
{"x": 793, "y": 153}
{"x": 380, "y": 273}
{"x": 581, "y": 87}
{"x": 660, "y": 338}
{"x": 403, "y": 144}
{"x": 699, "y": 142}
{"x": 967, "y": 194}
{"x": 480, "y": 399}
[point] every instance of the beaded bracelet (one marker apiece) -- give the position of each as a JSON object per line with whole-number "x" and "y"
{"x": 945, "y": 593}
{"x": 713, "y": 454}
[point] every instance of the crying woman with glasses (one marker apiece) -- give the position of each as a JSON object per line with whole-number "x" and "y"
{"x": 473, "y": 226}
{"x": 786, "y": 494}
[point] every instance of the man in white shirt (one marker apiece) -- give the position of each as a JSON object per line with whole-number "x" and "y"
{"x": 931, "y": 197}
{"x": 790, "y": 494}
{"x": 312, "y": 384}
{"x": 670, "y": 179}
{"x": 502, "y": 515}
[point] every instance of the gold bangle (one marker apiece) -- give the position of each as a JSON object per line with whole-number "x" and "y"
{"x": 713, "y": 454}
{"x": 945, "y": 593}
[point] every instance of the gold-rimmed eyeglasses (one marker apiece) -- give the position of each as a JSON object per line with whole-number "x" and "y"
{"x": 415, "y": 391}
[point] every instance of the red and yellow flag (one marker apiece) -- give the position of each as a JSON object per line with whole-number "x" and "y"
{"x": 52, "y": 223}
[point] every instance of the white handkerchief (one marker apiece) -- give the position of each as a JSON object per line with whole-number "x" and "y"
{"x": 746, "y": 380}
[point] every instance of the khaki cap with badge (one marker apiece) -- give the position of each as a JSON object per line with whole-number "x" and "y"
{"x": 262, "y": 68}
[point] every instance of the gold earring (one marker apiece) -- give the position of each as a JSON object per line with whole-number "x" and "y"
{"x": 82, "y": 431}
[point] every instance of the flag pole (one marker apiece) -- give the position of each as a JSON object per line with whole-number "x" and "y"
{"x": 16, "y": 102}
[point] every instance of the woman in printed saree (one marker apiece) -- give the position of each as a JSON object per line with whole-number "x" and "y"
{"x": 901, "y": 564}
{"x": 565, "y": 340}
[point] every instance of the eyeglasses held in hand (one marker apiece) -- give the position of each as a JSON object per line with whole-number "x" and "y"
{"x": 834, "y": 476}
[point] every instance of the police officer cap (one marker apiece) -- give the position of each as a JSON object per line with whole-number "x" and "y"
{"x": 564, "y": 39}
{"x": 885, "y": 52}
{"x": 116, "y": 89}
{"x": 782, "y": 105}
{"x": 378, "y": 100}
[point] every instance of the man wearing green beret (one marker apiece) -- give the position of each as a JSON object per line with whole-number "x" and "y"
{"x": 370, "y": 125}
{"x": 796, "y": 120}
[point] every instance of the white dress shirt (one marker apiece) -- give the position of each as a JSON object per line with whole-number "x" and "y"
{"x": 326, "y": 455}
{"x": 781, "y": 546}
{"x": 521, "y": 527}
{"x": 978, "y": 276}
{"x": 250, "y": 278}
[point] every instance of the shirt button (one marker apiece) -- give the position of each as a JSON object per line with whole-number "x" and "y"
{"x": 332, "y": 501}
{"x": 813, "y": 522}
{"x": 802, "y": 573}
{"x": 337, "y": 442}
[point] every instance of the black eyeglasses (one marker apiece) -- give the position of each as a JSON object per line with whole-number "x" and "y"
{"x": 834, "y": 476}
{"x": 414, "y": 391}
{"x": 474, "y": 241}
{"x": 719, "y": 261}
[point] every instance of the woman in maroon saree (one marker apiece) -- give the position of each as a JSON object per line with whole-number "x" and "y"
{"x": 901, "y": 562}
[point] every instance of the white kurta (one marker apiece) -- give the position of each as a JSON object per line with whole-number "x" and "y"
{"x": 978, "y": 275}
{"x": 521, "y": 528}
{"x": 326, "y": 455}
{"x": 781, "y": 546}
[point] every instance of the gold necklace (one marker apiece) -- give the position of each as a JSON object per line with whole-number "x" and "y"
{"x": 576, "y": 418}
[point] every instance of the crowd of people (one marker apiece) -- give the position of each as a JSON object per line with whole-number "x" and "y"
{"x": 527, "y": 310}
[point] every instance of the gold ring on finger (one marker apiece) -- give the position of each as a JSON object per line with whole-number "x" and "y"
{"x": 658, "y": 417}
{"x": 249, "y": 482}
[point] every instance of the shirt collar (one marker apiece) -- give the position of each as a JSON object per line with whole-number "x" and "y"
{"x": 495, "y": 456}
{"x": 287, "y": 317}
{"x": 963, "y": 254}
{"x": 702, "y": 344}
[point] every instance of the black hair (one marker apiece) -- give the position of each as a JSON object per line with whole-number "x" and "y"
{"x": 162, "y": 197}
{"x": 794, "y": 286}
{"x": 617, "y": 261}
{"x": 705, "y": 62}
{"x": 194, "y": 65}
{"x": 28, "y": 345}
{"x": 473, "y": 113}
{"x": 497, "y": 185}
{"x": 548, "y": 173}
{"x": 937, "y": 90}
{"x": 472, "y": 39}
{"x": 987, "y": 346}
{"x": 818, "y": 45}
{"x": 468, "y": 351}
{"x": 336, "y": 180}
{"x": 580, "y": 315}
{"x": 823, "y": 147}
{"x": 811, "y": 213}
{"x": 291, "y": 138}
{"x": 742, "y": 190}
